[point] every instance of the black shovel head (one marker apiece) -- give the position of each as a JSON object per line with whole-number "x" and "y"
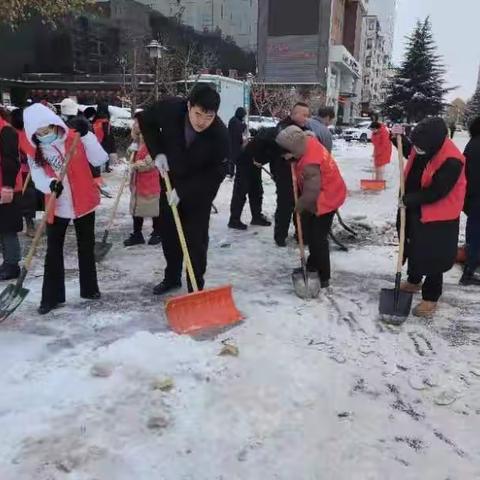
{"x": 101, "y": 250}
{"x": 10, "y": 299}
{"x": 309, "y": 289}
{"x": 395, "y": 305}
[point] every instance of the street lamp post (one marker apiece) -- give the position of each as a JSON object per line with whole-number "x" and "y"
{"x": 155, "y": 49}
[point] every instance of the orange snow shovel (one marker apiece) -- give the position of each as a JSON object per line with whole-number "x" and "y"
{"x": 200, "y": 310}
{"x": 372, "y": 185}
{"x": 14, "y": 294}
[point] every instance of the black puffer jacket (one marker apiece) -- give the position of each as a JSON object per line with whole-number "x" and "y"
{"x": 472, "y": 170}
{"x": 431, "y": 248}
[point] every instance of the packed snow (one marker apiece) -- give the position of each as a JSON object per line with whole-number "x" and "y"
{"x": 319, "y": 390}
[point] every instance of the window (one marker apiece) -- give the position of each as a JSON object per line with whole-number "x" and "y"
{"x": 368, "y": 62}
{"x": 371, "y": 24}
{"x": 369, "y": 43}
{"x": 286, "y": 18}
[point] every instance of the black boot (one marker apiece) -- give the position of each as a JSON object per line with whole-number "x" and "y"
{"x": 9, "y": 272}
{"x": 92, "y": 296}
{"x": 469, "y": 278}
{"x": 166, "y": 287}
{"x": 261, "y": 221}
{"x": 236, "y": 225}
{"x": 155, "y": 239}
{"x": 45, "y": 308}
{"x": 134, "y": 239}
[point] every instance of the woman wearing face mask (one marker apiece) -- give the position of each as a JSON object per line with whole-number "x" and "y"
{"x": 77, "y": 199}
{"x": 435, "y": 188}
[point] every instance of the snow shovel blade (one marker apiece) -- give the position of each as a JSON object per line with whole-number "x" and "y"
{"x": 199, "y": 311}
{"x": 10, "y": 299}
{"x": 373, "y": 185}
{"x": 309, "y": 289}
{"x": 395, "y": 303}
{"x": 101, "y": 250}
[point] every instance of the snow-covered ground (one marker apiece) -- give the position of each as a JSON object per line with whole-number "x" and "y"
{"x": 320, "y": 390}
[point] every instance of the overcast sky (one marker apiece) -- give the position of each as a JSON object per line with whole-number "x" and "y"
{"x": 456, "y": 29}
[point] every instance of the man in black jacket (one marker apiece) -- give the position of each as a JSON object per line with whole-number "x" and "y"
{"x": 472, "y": 205}
{"x": 283, "y": 177}
{"x": 187, "y": 139}
{"x": 261, "y": 150}
{"x": 236, "y": 130}
{"x": 10, "y": 195}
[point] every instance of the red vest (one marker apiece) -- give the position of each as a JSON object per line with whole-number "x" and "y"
{"x": 146, "y": 184}
{"x": 85, "y": 194}
{"x": 18, "y": 180}
{"x": 26, "y": 149}
{"x": 382, "y": 146}
{"x": 98, "y": 128}
{"x": 449, "y": 207}
{"x": 333, "y": 190}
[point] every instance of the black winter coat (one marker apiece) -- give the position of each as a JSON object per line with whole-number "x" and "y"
{"x": 472, "y": 171}
{"x": 196, "y": 170}
{"x": 431, "y": 248}
{"x": 10, "y": 213}
{"x": 236, "y": 129}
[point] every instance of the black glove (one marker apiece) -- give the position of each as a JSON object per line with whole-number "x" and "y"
{"x": 80, "y": 125}
{"x": 56, "y": 187}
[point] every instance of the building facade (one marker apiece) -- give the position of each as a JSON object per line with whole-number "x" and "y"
{"x": 317, "y": 44}
{"x": 236, "y": 19}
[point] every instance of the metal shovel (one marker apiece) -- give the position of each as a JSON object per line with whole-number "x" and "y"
{"x": 102, "y": 248}
{"x": 395, "y": 305}
{"x": 14, "y": 294}
{"x": 306, "y": 284}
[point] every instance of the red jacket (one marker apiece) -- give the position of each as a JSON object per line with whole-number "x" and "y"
{"x": 449, "y": 207}
{"x": 18, "y": 180}
{"x": 333, "y": 190}
{"x": 98, "y": 128}
{"x": 85, "y": 194}
{"x": 382, "y": 146}
{"x": 145, "y": 184}
{"x": 26, "y": 149}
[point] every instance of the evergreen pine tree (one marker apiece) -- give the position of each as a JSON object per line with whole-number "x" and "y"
{"x": 417, "y": 89}
{"x": 473, "y": 106}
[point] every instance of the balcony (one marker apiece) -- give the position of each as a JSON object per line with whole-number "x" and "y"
{"x": 345, "y": 61}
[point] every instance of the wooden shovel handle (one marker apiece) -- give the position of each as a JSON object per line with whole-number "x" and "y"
{"x": 301, "y": 242}
{"x": 181, "y": 235}
{"x": 49, "y": 206}
{"x": 403, "y": 213}
{"x": 27, "y": 181}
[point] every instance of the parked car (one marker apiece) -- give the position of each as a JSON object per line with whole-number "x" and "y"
{"x": 256, "y": 122}
{"x": 360, "y": 133}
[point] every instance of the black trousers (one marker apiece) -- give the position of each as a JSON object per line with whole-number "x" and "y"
{"x": 248, "y": 181}
{"x": 285, "y": 199}
{"x": 317, "y": 230}
{"x": 53, "y": 290}
{"x": 138, "y": 225}
{"x": 432, "y": 286}
{"x": 195, "y": 221}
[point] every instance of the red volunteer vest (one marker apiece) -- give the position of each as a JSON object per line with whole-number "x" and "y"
{"x": 333, "y": 189}
{"x": 382, "y": 146}
{"x": 146, "y": 183}
{"x": 85, "y": 194}
{"x": 18, "y": 180}
{"x": 98, "y": 128}
{"x": 450, "y": 207}
{"x": 26, "y": 150}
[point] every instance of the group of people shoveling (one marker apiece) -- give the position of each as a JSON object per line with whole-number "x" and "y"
{"x": 179, "y": 160}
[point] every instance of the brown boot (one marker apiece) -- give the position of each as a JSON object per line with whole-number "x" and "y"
{"x": 411, "y": 287}
{"x": 425, "y": 309}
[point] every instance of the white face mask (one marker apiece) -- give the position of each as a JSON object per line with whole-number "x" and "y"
{"x": 419, "y": 151}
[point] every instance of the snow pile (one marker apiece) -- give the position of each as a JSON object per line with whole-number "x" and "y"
{"x": 319, "y": 390}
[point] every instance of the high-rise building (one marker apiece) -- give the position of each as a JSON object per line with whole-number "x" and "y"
{"x": 313, "y": 42}
{"x": 386, "y": 12}
{"x": 236, "y": 19}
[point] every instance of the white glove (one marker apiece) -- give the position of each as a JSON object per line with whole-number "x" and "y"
{"x": 398, "y": 129}
{"x": 133, "y": 147}
{"x": 173, "y": 198}
{"x": 161, "y": 163}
